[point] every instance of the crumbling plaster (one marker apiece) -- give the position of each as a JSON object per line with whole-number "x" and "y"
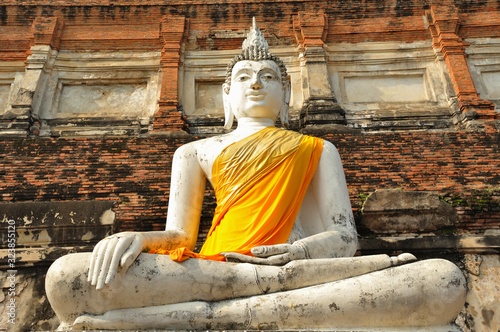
{"x": 385, "y": 84}
{"x": 483, "y": 59}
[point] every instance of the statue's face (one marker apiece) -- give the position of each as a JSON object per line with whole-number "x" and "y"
{"x": 256, "y": 90}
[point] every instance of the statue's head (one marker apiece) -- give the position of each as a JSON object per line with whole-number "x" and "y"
{"x": 257, "y": 83}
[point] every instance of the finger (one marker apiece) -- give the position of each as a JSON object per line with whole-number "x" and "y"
{"x": 134, "y": 249}
{"x": 120, "y": 248}
{"x": 98, "y": 261}
{"x": 266, "y": 251}
{"x": 108, "y": 255}
{"x": 279, "y": 259}
{"x": 273, "y": 260}
{"x": 240, "y": 258}
{"x": 92, "y": 260}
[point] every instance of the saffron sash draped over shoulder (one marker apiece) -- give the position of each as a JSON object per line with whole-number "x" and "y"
{"x": 259, "y": 184}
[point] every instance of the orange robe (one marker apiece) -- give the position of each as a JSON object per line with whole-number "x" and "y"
{"x": 259, "y": 183}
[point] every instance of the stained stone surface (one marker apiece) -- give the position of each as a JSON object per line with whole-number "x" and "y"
{"x": 56, "y": 223}
{"x": 492, "y": 80}
{"x": 4, "y": 95}
{"x": 390, "y": 86}
{"x": 482, "y": 60}
{"x": 209, "y": 98}
{"x": 98, "y": 100}
{"x": 483, "y": 296}
{"x": 45, "y": 231}
{"x": 395, "y": 88}
{"x": 394, "y": 210}
{"x": 33, "y": 311}
{"x": 90, "y": 93}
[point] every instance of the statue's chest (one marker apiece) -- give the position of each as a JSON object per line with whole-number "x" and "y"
{"x": 209, "y": 150}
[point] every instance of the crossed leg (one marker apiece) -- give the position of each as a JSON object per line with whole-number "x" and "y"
{"x": 159, "y": 293}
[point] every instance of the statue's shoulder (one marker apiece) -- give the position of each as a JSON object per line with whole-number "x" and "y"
{"x": 329, "y": 145}
{"x": 204, "y": 151}
{"x": 329, "y": 148}
{"x": 295, "y": 133}
{"x": 210, "y": 143}
{"x": 202, "y": 144}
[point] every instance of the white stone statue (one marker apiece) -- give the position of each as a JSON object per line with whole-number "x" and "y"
{"x": 298, "y": 275}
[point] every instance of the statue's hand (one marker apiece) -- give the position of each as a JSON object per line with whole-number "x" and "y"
{"x": 119, "y": 249}
{"x": 278, "y": 254}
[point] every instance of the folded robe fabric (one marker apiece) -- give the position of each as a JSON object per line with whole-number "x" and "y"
{"x": 259, "y": 182}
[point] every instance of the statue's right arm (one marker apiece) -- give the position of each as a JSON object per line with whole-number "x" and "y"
{"x": 184, "y": 209}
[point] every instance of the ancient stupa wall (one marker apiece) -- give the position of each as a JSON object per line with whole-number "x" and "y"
{"x": 95, "y": 96}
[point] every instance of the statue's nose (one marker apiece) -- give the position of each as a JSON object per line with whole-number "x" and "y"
{"x": 256, "y": 83}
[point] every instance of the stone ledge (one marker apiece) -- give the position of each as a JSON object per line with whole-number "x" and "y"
{"x": 447, "y": 328}
{"x": 466, "y": 244}
{"x": 56, "y": 224}
{"x": 395, "y": 210}
{"x": 26, "y": 257}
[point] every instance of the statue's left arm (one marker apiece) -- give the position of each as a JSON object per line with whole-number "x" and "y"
{"x": 326, "y": 212}
{"x": 325, "y": 216}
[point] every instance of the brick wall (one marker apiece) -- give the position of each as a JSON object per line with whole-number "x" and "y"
{"x": 135, "y": 172}
{"x": 461, "y": 167}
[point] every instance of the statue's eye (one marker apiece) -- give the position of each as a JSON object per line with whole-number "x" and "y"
{"x": 242, "y": 78}
{"x": 268, "y": 77}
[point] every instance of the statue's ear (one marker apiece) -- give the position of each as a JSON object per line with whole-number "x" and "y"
{"x": 284, "y": 111}
{"x": 228, "y": 113}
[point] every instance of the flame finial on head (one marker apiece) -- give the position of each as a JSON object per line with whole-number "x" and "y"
{"x": 255, "y": 40}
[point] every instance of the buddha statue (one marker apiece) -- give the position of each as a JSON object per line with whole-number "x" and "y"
{"x": 279, "y": 253}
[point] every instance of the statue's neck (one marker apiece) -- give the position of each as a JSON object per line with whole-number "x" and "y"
{"x": 249, "y": 126}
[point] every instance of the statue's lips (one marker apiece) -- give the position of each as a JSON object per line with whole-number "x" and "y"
{"x": 256, "y": 96}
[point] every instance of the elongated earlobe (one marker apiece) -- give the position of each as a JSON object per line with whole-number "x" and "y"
{"x": 284, "y": 117}
{"x": 284, "y": 111}
{"x": 229, "y": 118}
{"x": 228, "y": 113}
